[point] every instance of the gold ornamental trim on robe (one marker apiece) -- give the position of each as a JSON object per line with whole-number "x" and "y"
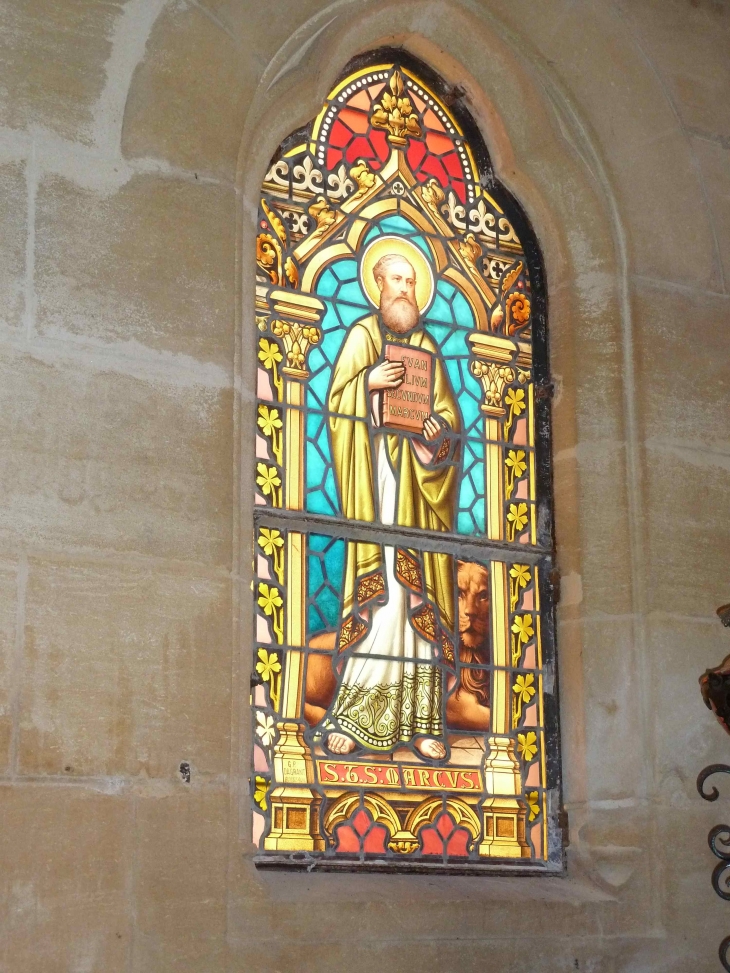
{"x": 370, "y": 587}
{"x": 351, "y": 631}
{"x": 447, "y": 649}
{"x": 444, "y": 451}
{"x": 408, "y": 570}
{"x": 424, "y": 622}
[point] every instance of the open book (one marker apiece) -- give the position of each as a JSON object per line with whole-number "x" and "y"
{"x": 407, "y": 406}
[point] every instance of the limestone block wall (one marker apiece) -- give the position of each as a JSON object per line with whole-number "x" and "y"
{"x": 133, "y": 138}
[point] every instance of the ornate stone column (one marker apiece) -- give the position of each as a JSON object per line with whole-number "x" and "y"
{"x": 492, "y": 366}
{"x": 503, "y": 814}
{"x": 294, "y": 803}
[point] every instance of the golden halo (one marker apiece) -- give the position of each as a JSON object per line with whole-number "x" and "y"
{"x": 404, "y": 248}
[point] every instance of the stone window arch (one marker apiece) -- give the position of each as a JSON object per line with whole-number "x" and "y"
{"x": 405, "y": 708}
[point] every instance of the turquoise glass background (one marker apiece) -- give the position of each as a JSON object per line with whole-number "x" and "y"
{"x": 448, "y": 320}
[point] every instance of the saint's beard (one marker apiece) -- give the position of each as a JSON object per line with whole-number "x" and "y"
{"x": 399, "y": 314}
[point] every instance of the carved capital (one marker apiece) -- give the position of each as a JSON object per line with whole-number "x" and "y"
{"x": 494, "y": 379}
{"x": 492, "y": 366}
{"x": 298, "y": 329}
{"x": 297, "y": 339}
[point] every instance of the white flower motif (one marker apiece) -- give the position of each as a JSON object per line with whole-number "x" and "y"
{"x": 265, "y": 729}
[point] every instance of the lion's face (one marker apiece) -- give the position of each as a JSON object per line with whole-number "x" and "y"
{"x": 473, "y": 582}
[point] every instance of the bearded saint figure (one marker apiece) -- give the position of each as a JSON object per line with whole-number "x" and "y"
{"x": 397, "y": 603}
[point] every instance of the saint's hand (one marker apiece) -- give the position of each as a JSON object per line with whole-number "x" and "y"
{"x": 432, "y": 429}
{"x": 386, "y": 375}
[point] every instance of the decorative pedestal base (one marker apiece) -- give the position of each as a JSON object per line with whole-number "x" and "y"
{"x": 503, "y": 815}
{"x": 294, "y": 804}
{"x": 504, "y": 829}
{"x": 294, "y": 820}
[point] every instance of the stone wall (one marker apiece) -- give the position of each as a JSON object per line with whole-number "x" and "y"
{"x": 133, "y": 138}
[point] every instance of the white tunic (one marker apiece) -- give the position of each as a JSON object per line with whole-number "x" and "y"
{"x": 385, "y": 697}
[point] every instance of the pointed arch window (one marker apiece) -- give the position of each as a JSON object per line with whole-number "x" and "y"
{"x": 404, "y": 706}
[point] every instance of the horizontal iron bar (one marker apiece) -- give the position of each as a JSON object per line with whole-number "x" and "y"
{"x": 425, "y": 540}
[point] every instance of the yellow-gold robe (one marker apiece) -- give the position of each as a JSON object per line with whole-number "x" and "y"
{"x": 425, "y": 497}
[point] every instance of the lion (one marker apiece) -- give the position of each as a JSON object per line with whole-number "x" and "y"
{"x": 321, "y": 682}
{"x": 467, "y": 707}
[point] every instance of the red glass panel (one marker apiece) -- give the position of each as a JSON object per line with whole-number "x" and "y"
{"x": 360, "y": 148}
{"x": 433, "y": 167}
{"x": 460, "y": 189}
{"x": 357, "y": 120}
{"x": 373, "y": 148}
{"x": 334, "y": 157}
{"x": 415, "y": 154}
{"x": 438, "y": 144}
{"x": 444, "y": 836}
{"x": 452, "y": 164}
{"x": 346, "y": 840}
{"x": 431, "y": 842}
{"x": 445, "y": 825}
{"x": 361, "y": 822}
{"x": 359, "y": 833}
{"x": 360, "y": 100}
{"x": 374, "y": 843}
{"x": 458, "y": 843}
{"x": 340, "y": 134}
{"x": 380, "y": 144}
{"x": 431, "y": 120}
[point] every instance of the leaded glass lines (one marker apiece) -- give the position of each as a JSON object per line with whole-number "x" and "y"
{"x": 403, "y": 643}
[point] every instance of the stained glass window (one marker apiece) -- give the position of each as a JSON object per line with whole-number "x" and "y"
{"x": 404, "y": 698}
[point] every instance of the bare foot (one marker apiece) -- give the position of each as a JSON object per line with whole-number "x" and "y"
{"x": 430, "y": 748}
{"x": 339, "y": 743}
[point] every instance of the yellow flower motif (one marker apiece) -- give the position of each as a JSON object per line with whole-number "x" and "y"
{"x": 269, "y": 353}
{"x": 269, "y": 420}
{"x": 268, "y": 664}
{"x": 524, "y": 688}
{"x": 269, "y": 598}
{"x": 259, "y": 795}
{"x": 532, "y": 800}
{"x": 521, "y": 574}
{"x": 519, "y": 578}
{"x": 270, "y": 539}
{"x": 272, "y": 543}
{"x": 266, "y": 731}
{"x": 515, "y": 399}
{"x": 517, "y": 515}
{"x": 268, "y": 479}
{"x": 527, "y": 745}
{"x": 516, "y": 461}
{"x": 522, "y": 627}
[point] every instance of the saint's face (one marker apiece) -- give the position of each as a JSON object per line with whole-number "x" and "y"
{"x": 398, "y": 283}
{"x": 398, "y": 305}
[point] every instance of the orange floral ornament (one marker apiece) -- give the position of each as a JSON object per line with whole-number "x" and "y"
{"x": 518, "y": 312}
